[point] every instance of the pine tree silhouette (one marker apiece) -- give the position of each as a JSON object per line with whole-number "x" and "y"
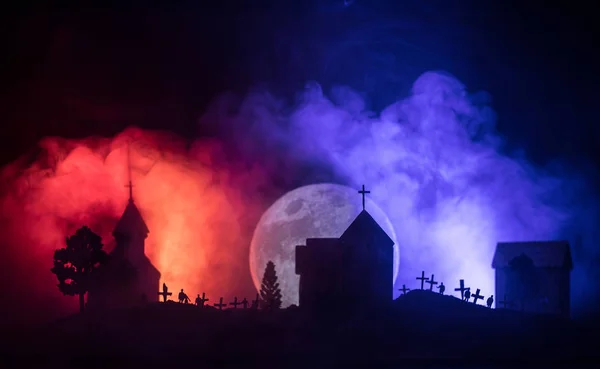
{"x": 75, "y": 265}
{"x": 270, "y": 294}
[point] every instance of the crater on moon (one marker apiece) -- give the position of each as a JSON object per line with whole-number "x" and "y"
{"x": 320, "y": 210}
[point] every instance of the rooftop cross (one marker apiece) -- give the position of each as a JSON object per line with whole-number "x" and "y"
{"x": 363, "y": 192}
{"x": 130, "y": 191}
{"x": 130, "y": 185}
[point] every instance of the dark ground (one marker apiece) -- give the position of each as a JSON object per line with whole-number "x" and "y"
{"x": 421, "y": 329}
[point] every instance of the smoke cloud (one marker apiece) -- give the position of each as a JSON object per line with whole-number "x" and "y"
{"x": 433, "y": 162}
{"x": 440, "y": 170}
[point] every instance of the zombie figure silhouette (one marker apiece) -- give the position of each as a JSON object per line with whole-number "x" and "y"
{"x": 442, "y": 288}
{"x": 490, "y": 301}
{"x": 467, "y": 295}
{"x": 198, "y": 300}
{"x": 183, "y": 298}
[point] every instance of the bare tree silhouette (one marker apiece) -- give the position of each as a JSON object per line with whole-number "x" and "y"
{"x": 270, "y": 293}
{"x": 76, "y": 264}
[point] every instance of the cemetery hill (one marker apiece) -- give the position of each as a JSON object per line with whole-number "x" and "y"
{"x": 346, "y": 313}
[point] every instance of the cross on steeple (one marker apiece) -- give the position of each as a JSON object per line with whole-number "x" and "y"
{"x": 130, "y": 185}
{"x": 130, "y": 191}
{"x": 363, "y": 192}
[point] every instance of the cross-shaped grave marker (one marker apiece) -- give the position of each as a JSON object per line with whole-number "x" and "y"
{"x": 244, "y": 303}
{"x": 422, "y": 279}
{"x": 220, "y": 305}
{"x": 431, "y": 282}
{"x": 203, "y": 299}
{"x": 165, "y": 292}
{"x": 235, "y": 303}
{"x": 404, "y": 290}
{"x": 462, "y": 289}
{"x": 477, "y": 296}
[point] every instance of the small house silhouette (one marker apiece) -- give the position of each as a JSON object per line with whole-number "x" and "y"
{"x": 534, "y": 276}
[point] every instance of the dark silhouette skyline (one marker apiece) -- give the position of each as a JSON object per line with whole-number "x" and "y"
{"x": 216, "y": 164}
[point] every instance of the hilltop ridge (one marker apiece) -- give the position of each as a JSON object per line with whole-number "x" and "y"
{"x": 420, "y": 325}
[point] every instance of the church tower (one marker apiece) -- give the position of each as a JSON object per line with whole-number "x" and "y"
{"x": 129, "y": 278}
{"x": 130, "y": 233}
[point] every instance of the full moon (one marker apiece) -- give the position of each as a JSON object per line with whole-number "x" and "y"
{"x": 314, "y": 211}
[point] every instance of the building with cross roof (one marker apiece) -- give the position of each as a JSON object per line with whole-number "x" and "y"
{"x": 353, "y": 271}
{"x": 534, "y": 276}
{"x": 129, "y": 278}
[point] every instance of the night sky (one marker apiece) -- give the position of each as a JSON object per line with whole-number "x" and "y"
{"x": 82, "y": 71}
{"x": 78, "y": 71}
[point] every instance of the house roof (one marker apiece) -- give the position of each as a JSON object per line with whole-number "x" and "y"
{"x": 544, "y": 254}
{"x": 362, "y": 225}
{"x": 131, "y": 221}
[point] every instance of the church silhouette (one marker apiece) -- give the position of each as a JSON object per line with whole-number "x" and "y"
{"x": 129, "y": 278}
{"x": 353, "y": 271}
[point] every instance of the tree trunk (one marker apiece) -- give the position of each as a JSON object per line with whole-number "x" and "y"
{"x": 81, "y": 302}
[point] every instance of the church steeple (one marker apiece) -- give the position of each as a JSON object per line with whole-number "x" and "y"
{"x": 131, "y": 222}
{"x": 130, "y": 233}
{"x": 131, "y": 230}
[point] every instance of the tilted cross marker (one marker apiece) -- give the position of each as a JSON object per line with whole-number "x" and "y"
{"x": 431, "y": 282}
{"x": 462, "y": 289}
{"x": 404, "y": 289}
{"x": 220, "y": 305}
{"x": 477, "y": 296}
{"x": 422, "y": 279}
{"x": 363, "y": 192}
